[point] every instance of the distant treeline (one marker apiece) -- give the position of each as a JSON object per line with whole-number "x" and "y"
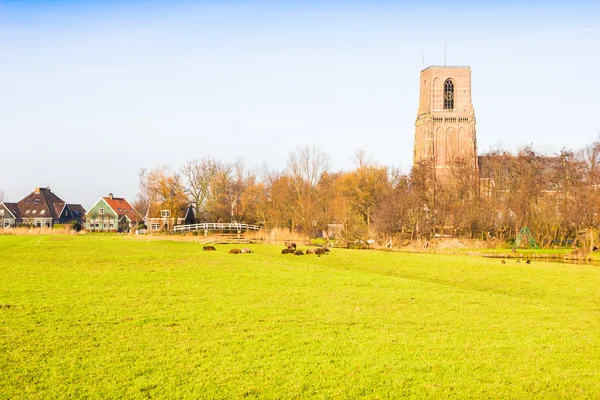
{"x": 556, "y": 196}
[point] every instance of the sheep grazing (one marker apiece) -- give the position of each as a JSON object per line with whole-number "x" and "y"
{"x": 245, "y": 250}
{"x": 298, "y": 253}
{"x": 290, "y": 245}
{"x": 235, "y": 251}
{"x": 286, "y": 251}
{"x": 310, "y": 251}
{"x": 319, "y": 251}
{"x": 209, "y": 248}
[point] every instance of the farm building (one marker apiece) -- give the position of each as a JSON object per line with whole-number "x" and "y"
{"x": 112, "y": 214}
{"x": 161, "y": 218}
{"x": 41, "y": 208}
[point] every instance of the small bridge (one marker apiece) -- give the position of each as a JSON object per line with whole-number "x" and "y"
{"x": 216, "y": 226}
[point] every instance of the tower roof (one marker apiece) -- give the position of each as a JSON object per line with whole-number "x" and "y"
{"x": 447, "y": 66}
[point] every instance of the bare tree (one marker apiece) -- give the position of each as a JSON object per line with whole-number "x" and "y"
{"x": 146, "y": 195}
{"x": 306, "y": 167}
{"x": 364, "y": 188}
{"x": 393, "y": 212}
{"x": 237, "y": 185}
{"x": 162, "y": 188}
{"x": 279, "y": 210}
{"x": 423, "y": 189}
{"x": 581, "y": 205}
{"x": 198, "y": 176}
{"x": 227, "y": 197}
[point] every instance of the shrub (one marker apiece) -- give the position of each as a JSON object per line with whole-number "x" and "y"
{"x": 76, "y": 226}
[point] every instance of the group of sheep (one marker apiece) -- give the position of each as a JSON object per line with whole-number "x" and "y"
{"x": 290, "y": 248}
{"x": 240, "y": 251}
{"x": 232, "y": 251}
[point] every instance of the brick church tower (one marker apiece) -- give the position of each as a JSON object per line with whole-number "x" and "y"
{"x": 445, "y": 126}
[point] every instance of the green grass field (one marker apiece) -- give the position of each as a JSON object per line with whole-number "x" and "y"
{"x": 98, "y": 316}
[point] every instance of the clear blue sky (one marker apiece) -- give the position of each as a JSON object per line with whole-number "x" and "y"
{"x": 90, "y": 92}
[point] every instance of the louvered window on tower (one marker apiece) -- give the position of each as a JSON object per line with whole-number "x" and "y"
{"x": 448, "y": 95}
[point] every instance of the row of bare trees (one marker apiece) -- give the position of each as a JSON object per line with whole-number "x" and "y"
{"x": 555, "y": 196}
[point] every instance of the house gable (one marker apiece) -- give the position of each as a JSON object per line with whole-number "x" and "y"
{"x": 9, "y": 210}
{"x": 101, "y": 208}
{"x": 9, "y": 215}
{"x": 111, "y": 214}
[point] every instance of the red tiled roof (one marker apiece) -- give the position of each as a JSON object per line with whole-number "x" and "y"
{"x": 123, "y": 208}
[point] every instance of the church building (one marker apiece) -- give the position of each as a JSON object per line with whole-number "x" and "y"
{"x": 445, "y": 125}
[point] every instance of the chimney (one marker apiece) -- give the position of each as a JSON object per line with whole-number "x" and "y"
{"x": 110, "y": 196}
{"x": 37, "y": 190}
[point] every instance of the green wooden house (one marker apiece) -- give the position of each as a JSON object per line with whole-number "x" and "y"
{"x": 112, "y": 214}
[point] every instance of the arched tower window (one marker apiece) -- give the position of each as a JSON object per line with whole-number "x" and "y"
{"x": 448, "y": 95}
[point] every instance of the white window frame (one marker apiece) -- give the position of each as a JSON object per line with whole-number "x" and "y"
{"x": 1, "y": 212}
{"x": 165, "y": 213}
{"x": 101, "y": 211}
{"x": 154, "y": 226}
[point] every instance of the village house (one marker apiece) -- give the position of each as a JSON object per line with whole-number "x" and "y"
{"x": 161, "y": 218}
{"x": 112, "y": 214}
{"x": 41, "y": 208}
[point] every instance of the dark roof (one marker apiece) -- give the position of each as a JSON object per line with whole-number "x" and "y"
{"x": 41, "y": 203}
{"x": 58, "y": 208}
{"x": 77, "y": 210}
{"x": 13, "y": 208}
{"x": 190, "y": 210}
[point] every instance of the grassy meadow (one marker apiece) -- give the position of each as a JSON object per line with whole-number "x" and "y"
{"x": 108, "y": 316}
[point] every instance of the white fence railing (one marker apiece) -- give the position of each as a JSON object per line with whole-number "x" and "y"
{"x": 216, "y": 226}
